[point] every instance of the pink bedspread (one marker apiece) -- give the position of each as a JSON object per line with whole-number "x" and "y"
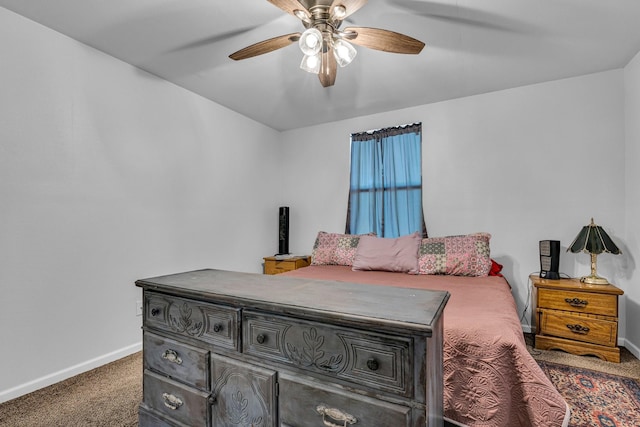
{"x": 490, "y": 377}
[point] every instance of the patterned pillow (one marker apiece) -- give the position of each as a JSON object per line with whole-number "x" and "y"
{"x": 334, "y": 249}
{"x": 455, "y": 255}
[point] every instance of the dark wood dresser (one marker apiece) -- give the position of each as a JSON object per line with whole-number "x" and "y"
{"x": 240, "y": 349}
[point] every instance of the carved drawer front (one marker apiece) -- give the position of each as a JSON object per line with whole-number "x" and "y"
{"x": 181, "y": 362}
{"x": 585, "y": 302}
{"x": 579, "y": 327}
{"x": 211, "y": 323}
{"x": 372, "y": 360}
{"x": 175, "y": 400}
{"x": 304, "y": 403}
{"x": 242, "y": 394}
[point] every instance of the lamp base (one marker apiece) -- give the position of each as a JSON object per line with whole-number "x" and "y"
{"x": 594, "y": 280}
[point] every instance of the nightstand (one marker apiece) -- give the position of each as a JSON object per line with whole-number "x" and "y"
{"x": 576, "y": 317}
{"x": 273, "y": 265}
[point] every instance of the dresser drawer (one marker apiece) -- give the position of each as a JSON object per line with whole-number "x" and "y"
{"x": 176, "y": 401}
{"x": 579, "y": 327}
{"x": 147, "y": 417}
{"x": 211, "y": 323}
{"x": 181, "y": 362}
{"x": 584, "y": 302}
{"x": 372, "y": 360}
{"x": 305, "y": 403}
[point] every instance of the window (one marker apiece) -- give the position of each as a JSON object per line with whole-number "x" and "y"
{"x": 385, "y": 195}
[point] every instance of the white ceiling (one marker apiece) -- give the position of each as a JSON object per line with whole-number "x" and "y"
{"x": 473, "y": 46}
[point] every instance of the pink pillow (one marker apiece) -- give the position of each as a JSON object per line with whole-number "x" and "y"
{"x": 379, "y": 253}
{"x": 467, "y": 255}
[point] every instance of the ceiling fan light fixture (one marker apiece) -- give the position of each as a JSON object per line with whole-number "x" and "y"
{"x": 344, "y": 52}
{"x": 311, "y": 63}
{"x": 302, "y": 15}
{"x": 338, "y": 12}
{"x": 310, "y": 42}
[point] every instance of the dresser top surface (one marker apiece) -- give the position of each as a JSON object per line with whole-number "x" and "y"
{"x": 384, "y": 306}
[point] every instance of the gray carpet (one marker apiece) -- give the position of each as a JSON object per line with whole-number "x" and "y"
{"x": 109, "y": 395}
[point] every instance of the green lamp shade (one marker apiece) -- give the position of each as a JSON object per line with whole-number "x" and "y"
{"x": 593, "y": 239}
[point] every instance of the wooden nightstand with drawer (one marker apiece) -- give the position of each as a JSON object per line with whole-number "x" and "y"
{"x": 577, "y": 317}
{"x": 275, "y": 265}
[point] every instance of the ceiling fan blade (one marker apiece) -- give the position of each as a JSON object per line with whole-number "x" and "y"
{"x": 289, "y": 6}
{"x": 351, "y": 5}
{"x": 265, "y": 46}
{"x": 463, "y": 15}
{"x": 328, "y": 69}
{"x": 385, "y": 40}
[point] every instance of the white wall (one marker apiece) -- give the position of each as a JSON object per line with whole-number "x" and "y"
{"x": 632, "y": 127}
{"x": 108, "y": 175}
{"x": 524, "y": 164}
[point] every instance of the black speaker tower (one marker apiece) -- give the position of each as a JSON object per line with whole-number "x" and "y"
{"x": 283, "y": 230}
{"x": 549, "y": 259}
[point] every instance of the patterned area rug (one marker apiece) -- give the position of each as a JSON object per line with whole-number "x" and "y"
{"x": 596, "y": 399}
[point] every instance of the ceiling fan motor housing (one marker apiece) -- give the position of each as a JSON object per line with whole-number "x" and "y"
{"x": 322, "y": 19}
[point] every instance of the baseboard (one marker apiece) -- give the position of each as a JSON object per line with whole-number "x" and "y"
{"x": 31, "y": 386}
{"x": 633, "y": 349}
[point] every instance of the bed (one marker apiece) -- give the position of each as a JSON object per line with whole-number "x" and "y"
{"x": 490, "y": 377}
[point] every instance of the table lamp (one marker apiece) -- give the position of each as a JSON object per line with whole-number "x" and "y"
{"x": 593, "y": 240}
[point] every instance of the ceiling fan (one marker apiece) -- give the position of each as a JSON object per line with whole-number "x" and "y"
{"x": 323, "y": 44}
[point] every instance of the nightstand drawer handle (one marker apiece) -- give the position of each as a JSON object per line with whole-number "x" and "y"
{"x": 576, "y": 302}
{"x": 261, "y": 338}
{"x": 172, "y": 356}
{"x": 578, "y": 329}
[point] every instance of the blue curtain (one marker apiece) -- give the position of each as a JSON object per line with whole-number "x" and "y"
{"x": 385, "y": 194}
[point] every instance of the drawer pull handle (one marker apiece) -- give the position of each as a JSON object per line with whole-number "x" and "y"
{"x": 172, "y": 356}
{"x": 372, "y": 364}
{"x": 261, "y": 338}
{"x": 172, "y": 402}
{"x": 578, "y": 329}
{"x": 155, "y": 311}
{"x": 217, "y": 327}
{"x": 576, "y": 302}
{"x": 337, "y": 415}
